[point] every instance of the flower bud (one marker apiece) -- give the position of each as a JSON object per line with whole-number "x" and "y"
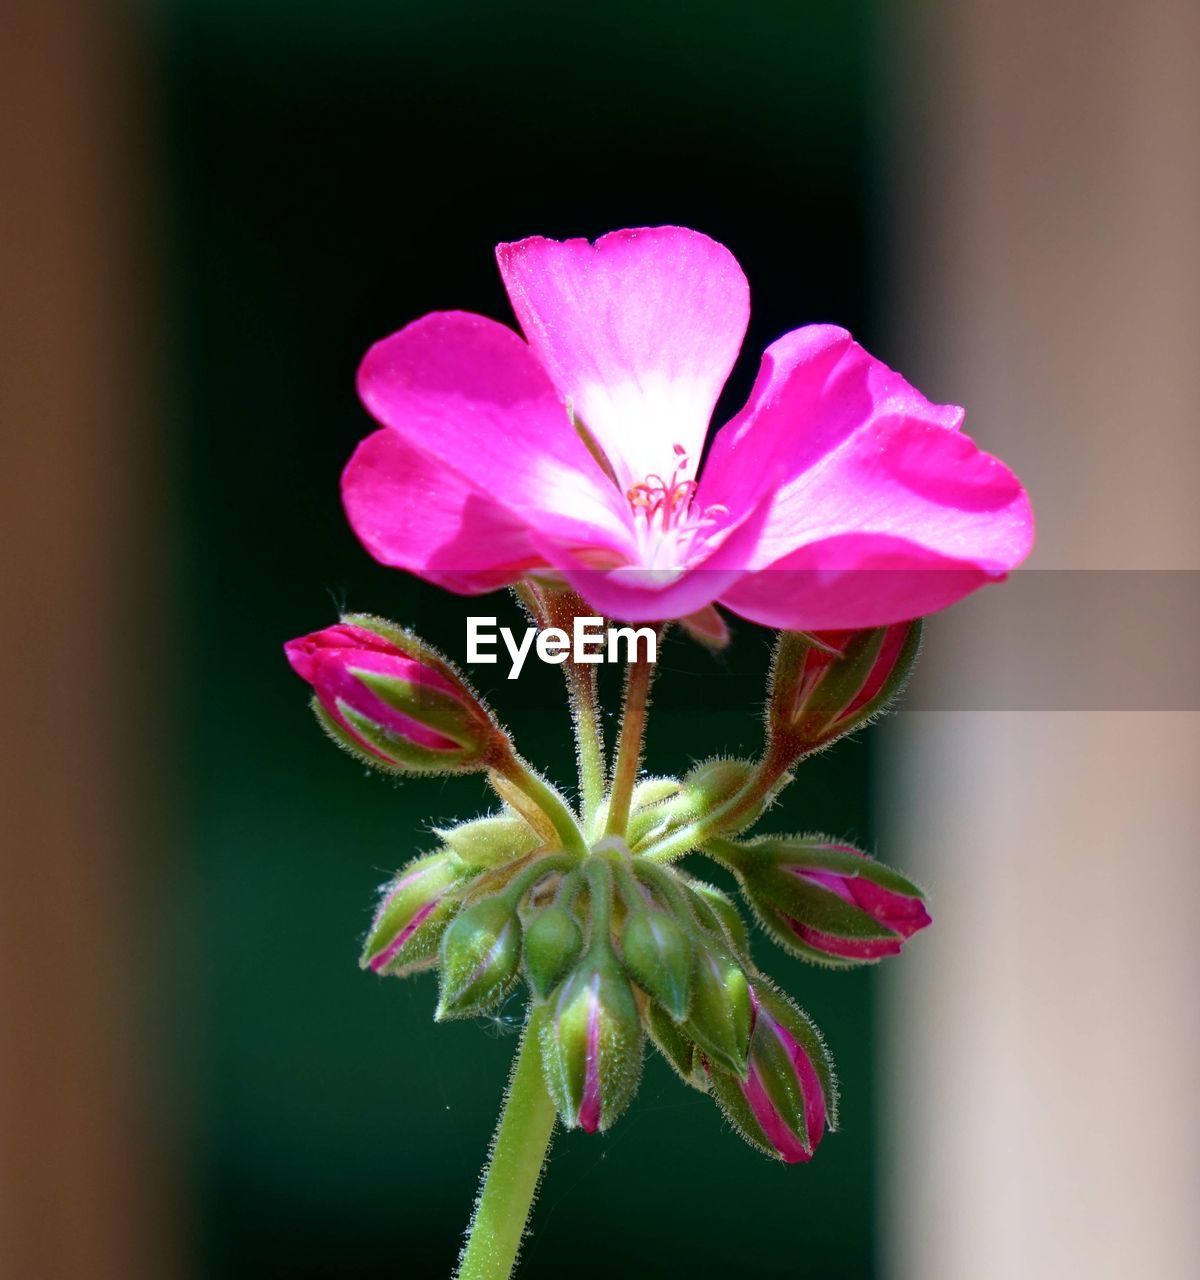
{"x": 645, "y": 806}
{"x": 491, "y": 841}
{"x": 591, "y": 1041}
{"x": 391, "y": 701}
{"x": 672, "y": 1042}
{"x": 718, "y": 913}
{"x": 721, "y": 1016}
{"x": 658, "y": 955}
{"x": 481, "y": 952}
{"x": 828, "y": 683}
{"x": 787, "y": 1098}
{"x": 699, "y": 792}
{"x": 553, "y": 941}
{"x": 825, "y": 901}
{"x": 413, "y": 911}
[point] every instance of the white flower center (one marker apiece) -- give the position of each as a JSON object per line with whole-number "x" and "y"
{"x": 669, "y": 532}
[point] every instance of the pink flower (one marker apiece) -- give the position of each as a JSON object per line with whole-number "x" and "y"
{"x": 838, "y": 497}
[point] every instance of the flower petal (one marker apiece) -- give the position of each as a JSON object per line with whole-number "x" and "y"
{"x": 467, "y": 395}
{"x": 638, "y": 332}
{"x": 854, "y": 581}
{"x": 816, "y": 387}
{"x": 412, "y": 513}
{"x": 885, "y": 511}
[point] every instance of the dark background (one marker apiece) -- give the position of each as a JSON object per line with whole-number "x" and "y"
{"x": 330, "y": 173}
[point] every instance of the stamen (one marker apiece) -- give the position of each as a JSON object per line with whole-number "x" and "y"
{"x": 671, "y": 499}
{"x": 666, "y": 508}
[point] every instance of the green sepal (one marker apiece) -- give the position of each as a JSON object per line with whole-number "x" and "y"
{"x": 717, "y": 909}
{"x": 399, "y": 753}
{"x": 491, "y": 841}
{"x": 669, "y": 1039}
{"x": 435, "y": 709}
{"x": 818, "y": 907}
{"x": 824, "y": 853}
{"x": 398, "y": 943}
{"x": 348, "y": 743}
{"x": 480, "y": 958}
{"x": 893, "y": 686}
{"x": 724, "y": 1087}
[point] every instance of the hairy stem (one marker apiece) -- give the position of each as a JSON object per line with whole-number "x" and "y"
{"x": 558, "y": 608}
{"x": 535, "y": 788}
{"x": 514, "y": 1168}
{"x": 729, "y": 816}
{"x": 589, "y": 739}
{"x": 638, "y": 676}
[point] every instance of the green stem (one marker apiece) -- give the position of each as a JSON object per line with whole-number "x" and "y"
{"x": 728, "y": 816}
{"x": 514, "y": 1167}
{"x": 589, "y": 738}
{"x": 554, "y": 607}
{"x": 527, "y": 780}
{"x": 638, "y": 676}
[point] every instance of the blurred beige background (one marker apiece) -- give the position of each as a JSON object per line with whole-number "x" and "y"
{"x": 1043, "y": 1049}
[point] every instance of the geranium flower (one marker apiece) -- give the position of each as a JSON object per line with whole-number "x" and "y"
{"x": 839, "y": 497}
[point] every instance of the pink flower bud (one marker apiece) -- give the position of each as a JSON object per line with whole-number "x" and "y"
{"x": 591, "y": 1041}
{"x": 385, "y": 697}
{"x": 829, "y": 683}
{"x": 786, "y": 1100}
{"x": 901, "y": 914}
{"x": 828, "y": 902}
{"x": 414, "y": 909}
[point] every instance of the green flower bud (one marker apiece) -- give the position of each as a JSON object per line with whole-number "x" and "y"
{"x": 721, "y": 1014}
{"x": 553, "y": 941}
{"x": 669, "y": 1039}
{"x": 481, "y": 952}
{"x": 658, "y": 955}
{"x": 718, "y": 911}
{"x": 644, "y": 814}
{"x": 700, "y": 791}
{"x": 826, "y": 684}
{"x": 413, "y": 912}
{"x": 392, "y": 701}
{"x": 491, "y": 841}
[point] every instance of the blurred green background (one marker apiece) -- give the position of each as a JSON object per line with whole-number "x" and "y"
{"x": 333, "y": 172}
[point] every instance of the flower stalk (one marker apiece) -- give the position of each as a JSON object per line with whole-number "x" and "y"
{"x": 513, "y": 1171}
{"x": 638, "y": 677}
{"x": 506, "y": 764}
